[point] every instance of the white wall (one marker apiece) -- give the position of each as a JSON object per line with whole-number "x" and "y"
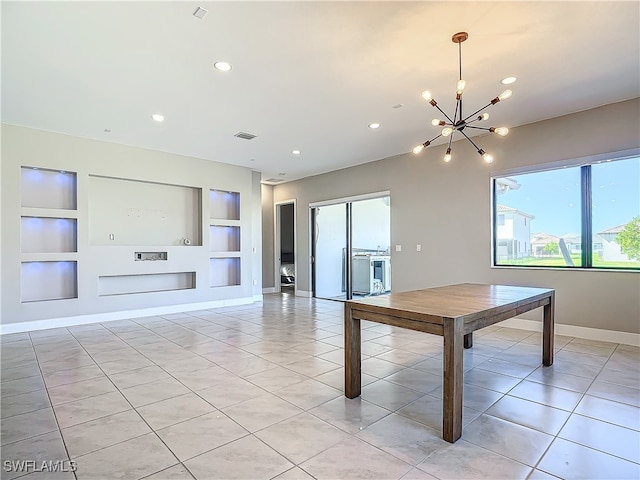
{"x": 46, "y": 150}
{"x": 447, "y": 208}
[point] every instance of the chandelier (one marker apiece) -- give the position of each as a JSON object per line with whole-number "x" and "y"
{"x": 458, "y": 122}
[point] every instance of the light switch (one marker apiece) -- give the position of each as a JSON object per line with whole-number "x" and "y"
{"x": 418, "y": 248}
{"x": 398, "y": 248}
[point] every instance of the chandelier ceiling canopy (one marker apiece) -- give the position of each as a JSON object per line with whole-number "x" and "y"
{"x": 458, "y": 122}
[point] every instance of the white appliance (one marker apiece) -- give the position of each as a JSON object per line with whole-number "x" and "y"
{"x": 371, "y": 274}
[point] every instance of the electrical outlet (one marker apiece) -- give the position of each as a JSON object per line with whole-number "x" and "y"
{"x": 255, "y": 282}
{"x": 398, "y": 248}
{"x": 418, "y": 248}
{"x": 112, "y": 236}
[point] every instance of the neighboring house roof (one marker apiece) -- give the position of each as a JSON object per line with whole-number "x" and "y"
{"x": 613, "y": 230}
{"x": 542, "y": 237}
{"x": 572, "y": 237}
{"x": 505, "y": 209}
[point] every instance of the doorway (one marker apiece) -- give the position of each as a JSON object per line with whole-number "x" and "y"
{"x": 351, "y": 247}
{"x": 285, "y": 246}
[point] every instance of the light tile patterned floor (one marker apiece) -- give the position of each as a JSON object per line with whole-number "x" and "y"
{"x": 255, "y": 392}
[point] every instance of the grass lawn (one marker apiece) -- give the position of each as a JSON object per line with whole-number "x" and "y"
{"x": 559, "y": 262}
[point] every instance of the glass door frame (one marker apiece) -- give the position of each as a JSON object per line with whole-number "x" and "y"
{"x": 348, "y": 201}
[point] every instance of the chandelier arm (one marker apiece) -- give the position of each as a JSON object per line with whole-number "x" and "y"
{"x": 455, "y": 113}
{"x": 478, "y": 128}
{"x": 447, "y": 116}
{"x": 472, "y": 142}
{"x": 478, "y": 111}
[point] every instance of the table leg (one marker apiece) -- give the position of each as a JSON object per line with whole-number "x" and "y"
{"x": 352, "y": 366}
{"x": 468, "y": 340}
{"x": 452, "y": 389}
{"x": 548, "y": 324}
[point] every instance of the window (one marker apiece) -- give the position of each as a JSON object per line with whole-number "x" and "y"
{"x": 578, "y": 216}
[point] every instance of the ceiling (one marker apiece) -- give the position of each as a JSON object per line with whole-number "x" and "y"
{"x": 309, "y": 76}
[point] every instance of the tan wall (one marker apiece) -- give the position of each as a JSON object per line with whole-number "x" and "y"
{"x": 447, "y": 209}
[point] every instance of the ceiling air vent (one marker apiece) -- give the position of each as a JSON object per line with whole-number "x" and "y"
{"x": 274, "y": 180}
{"x": 245, "y": 136}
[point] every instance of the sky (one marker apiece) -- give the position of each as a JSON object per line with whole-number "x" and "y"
{"x": 553, "y": 197}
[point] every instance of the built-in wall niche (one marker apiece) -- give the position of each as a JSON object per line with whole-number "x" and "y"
{"x": 44, "y": 188}
{"x": 224, "y": 238}
{"x": 48, "y": 281}
{"x": 48, "y": 235}
{"x": 224, "y": 205}
{"x": 145, "y": 283}
{"x": 133, "y": 212}
{"x": 224, "y": 272}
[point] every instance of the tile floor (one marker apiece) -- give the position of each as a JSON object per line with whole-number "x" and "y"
{"x": 255, "y": 392}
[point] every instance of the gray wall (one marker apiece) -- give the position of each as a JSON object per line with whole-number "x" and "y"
{"x": 23, "y": 146}
{"x": 447, "y": 209}
{"x": 268, "y": 237}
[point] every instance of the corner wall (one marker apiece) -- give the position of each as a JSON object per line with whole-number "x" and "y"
{"x": 447, "y": 209}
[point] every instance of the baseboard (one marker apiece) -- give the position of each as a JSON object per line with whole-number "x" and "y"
{"x": 121, "y": 315}
{"x": 303, "y": 293}
{"x": 612, "y": 336}
{"x": 257, "y": 298}
{"x": 269, "y": 290}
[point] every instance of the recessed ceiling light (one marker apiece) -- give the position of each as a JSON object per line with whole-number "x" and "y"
{"x": 397, "y": 106}
{"x": 282, "y": 174}
{"x": 374, "y": 125}
{"x": 157, "y": 117}
{"x": 296, "y": 152}
{"x": 222, "y": 66}
{"x": 508, "y": 80}
{"x": 200, "y": 13}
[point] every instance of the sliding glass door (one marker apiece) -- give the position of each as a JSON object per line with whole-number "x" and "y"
{"x": 351, "y": 248}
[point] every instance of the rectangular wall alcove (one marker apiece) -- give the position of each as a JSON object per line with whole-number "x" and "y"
{"x": 48, "y": 281}
{"x": 224, "y": 238}
{"x": 224, "y": 272}
{"x": 48, "y": 235}
{"x": 145, "y": 283}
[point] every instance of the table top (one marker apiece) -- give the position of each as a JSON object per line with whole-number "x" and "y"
{"x": 468, "y": 300}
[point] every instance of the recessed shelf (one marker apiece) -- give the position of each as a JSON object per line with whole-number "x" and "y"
{"x": 44, "y": 188}
{"x": 145, "y": 283}
{"x": 224, "y": 238}
{"x": 49, "y": 280}
{"x": 48, "y": 235}
{"x": 224, "y": 271}
{"x": 224, "y": 205}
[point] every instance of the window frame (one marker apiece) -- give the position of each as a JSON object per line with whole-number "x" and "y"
{"x": 586, "y": 215}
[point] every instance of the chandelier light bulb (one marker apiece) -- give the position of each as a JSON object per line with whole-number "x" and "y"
{"x": 484, "y": 116}
{"x": 417, "y": 149}
{"x": 504, "y": 95}
{"x": 460, "y": 86}
{"x": 447, "y": 131}
{"x": 502, "y": 131}
{"x": 427, "y": 95}
{"x": 437, "y": 122}
{"x": 447, "y": 156}
{"x": 487, "y": 157}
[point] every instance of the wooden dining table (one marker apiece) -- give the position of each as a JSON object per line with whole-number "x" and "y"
{"x": 453, "y": 312}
